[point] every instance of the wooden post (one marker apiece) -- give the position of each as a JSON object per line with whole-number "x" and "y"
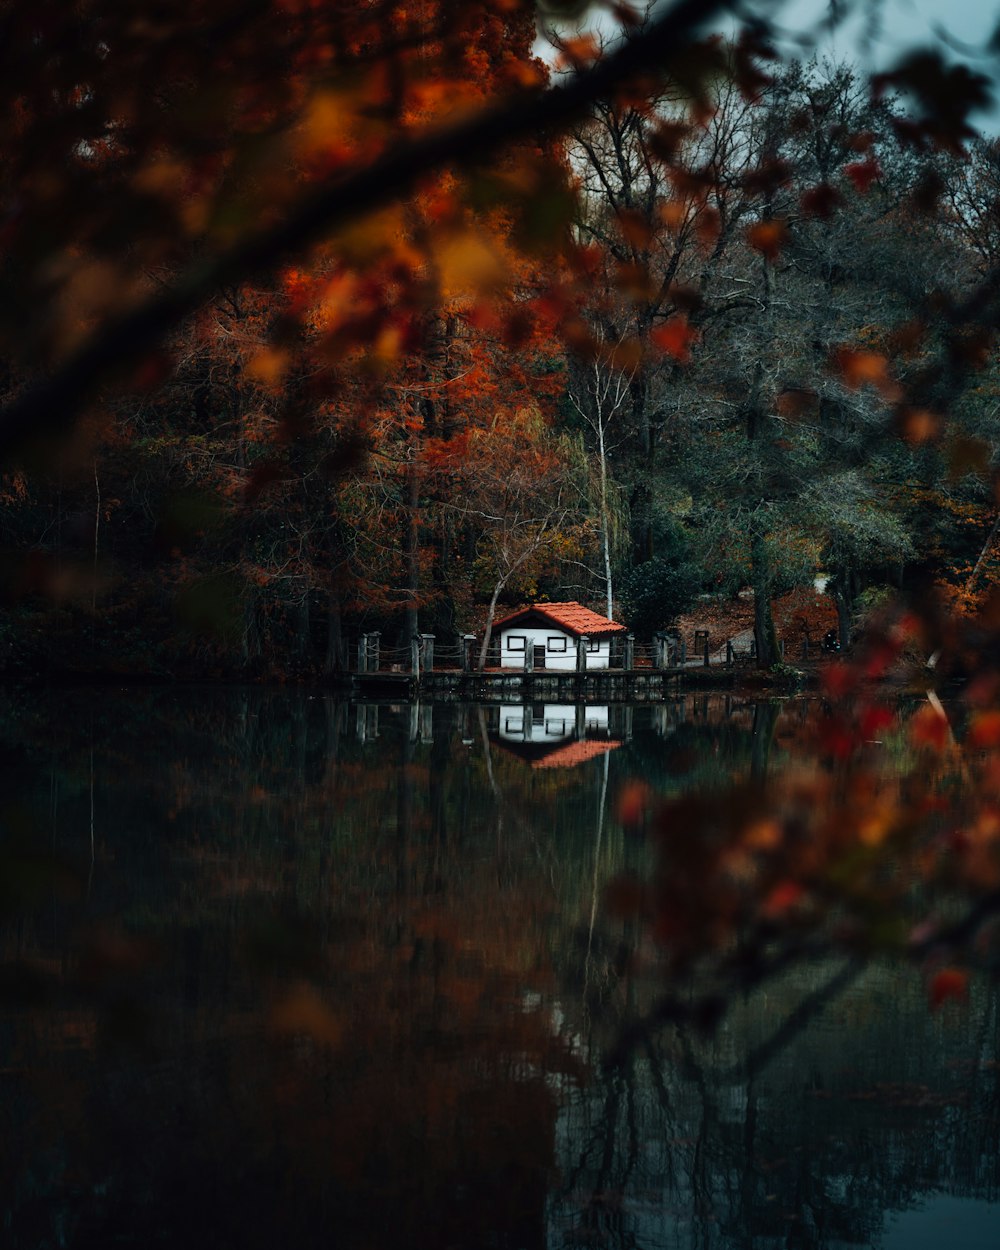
{"x": 529, "y": 656}
{"x": 363, "y": 654}
{"x": 415, "y": 658}
{"x": 729, "y": 653}
{"x": 684, "y": 652}
{"x": 629, "y": 663}
{"x": 581, "y": 653}
{"x": 707, "y": 659}
{"x": 428, "y": 649}
{"x": 373, "y": 651}
{"x": 467, "y": 643}
{"x": 659, "y": 650}
{"x": 581, "y": 721}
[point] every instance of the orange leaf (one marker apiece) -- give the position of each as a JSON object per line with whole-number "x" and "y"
{"x": 636, "y": 227}
{"x": 673, "y": 214}
{"x": 928, "y": 728}
{"x": 303, "y": 1011}
{"x": 268, "y": 366}
{"x": 675, "y": 338}
{"x": 917, "y": 425}
{"x": 632, "y": 802}
{"x": 768, "y": 238}
{"x": 580, "y": 52}
{"x": 985, "y": 730}
{"x": 948, "y": 983}
{"x": 858, "y": 369}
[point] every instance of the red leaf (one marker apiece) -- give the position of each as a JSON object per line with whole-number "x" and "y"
{"x": 948, "y": 983}
{"x": 874, "y": 720}
{"x": 820, "y": 201}
{"x": 835, "y": 738}
{"x": 840, "y": 679}
{"x": 675, "y": 338}
{"x": 782, "y": 898}
{"x": 863, "y": 173}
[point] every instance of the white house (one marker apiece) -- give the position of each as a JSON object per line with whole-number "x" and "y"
{"x": 551, "y": 630}
{"x": 554, "y": 735}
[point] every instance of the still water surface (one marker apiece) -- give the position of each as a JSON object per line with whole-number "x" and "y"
{"x": 279, "y": 970}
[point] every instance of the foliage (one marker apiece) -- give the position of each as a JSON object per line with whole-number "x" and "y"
{"x": 296, "y": 298}
{"x": 656, "y": 591}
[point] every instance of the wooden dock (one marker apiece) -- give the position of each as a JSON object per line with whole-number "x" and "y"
{"x": 504, "y": 686}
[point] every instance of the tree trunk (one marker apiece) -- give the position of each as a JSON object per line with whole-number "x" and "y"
{"x": 605, "y": 521}
{"x": 763, "y": 620}
{"x": 488, "y": 629}
{"x": 411, "y": 555}
{"x": 334, "y": 635}
{"x": 765, "y": 716}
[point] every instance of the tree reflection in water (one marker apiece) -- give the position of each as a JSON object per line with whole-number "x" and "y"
{"x": 345, "y": 974}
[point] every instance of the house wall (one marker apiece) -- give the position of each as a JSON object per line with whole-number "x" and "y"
{"x": 551, "y": 637}
{"x": 552, "y": 722}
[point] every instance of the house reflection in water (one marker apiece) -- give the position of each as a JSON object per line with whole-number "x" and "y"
{"x": 557, "y": 735}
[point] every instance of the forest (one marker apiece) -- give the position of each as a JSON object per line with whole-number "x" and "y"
{"x": 326, "y": 318}
{"x": 320, "y": 319}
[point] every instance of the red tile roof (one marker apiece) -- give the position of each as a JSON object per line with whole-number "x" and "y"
{"x": 573, "y": 617}
{"x": 574, "y": 753}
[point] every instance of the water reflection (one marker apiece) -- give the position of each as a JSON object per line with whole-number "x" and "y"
{"x": 276, "y": 969}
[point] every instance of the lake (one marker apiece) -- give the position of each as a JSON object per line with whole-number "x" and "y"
{"x": 283, "y": 970}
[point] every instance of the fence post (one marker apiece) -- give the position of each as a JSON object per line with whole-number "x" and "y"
{"x": 428, "y": 649}
{"x": 629, "y": 663}
{"x": 729, "y": 653}
{"x": 374, "y": 639}
{"x": 659, "y": 650}
{"x": 466, "y": 642}
{"x": 363, "y": 654}
{"x": 581, "y": 653}
{"x": 415, "y": 655}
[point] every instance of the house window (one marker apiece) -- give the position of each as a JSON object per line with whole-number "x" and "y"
{"x": 513, "y": 725}
{"x": 516, "y": 642}
{"x": 556, "y": 728}
{"x": 556, "y": 644}
{"x": 594, "y": 646}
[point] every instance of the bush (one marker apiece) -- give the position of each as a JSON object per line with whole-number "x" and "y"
{"x": 655, "y": 592}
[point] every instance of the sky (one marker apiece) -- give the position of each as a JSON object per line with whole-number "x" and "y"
{"x": 904, "y": 22}
{"x": 961, "y": 28}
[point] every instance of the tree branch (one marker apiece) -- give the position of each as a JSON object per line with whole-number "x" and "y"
{"x": 49, "y": 406}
